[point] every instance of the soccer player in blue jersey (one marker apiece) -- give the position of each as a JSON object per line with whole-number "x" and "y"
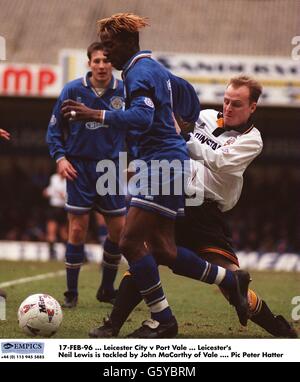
{"x": 77, "y": 146}
{"x": 151, "y": 217}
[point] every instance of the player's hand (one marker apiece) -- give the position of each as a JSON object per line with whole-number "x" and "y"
{"x": 76, "y": 111}
{"x": 4, "y": 134}
{"x": 66, "y": 170}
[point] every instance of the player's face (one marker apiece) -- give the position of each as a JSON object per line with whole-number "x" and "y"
{"x": 237, "y": 107}
{"x": 100, "y": 67}
{"x": 115, "y": 50}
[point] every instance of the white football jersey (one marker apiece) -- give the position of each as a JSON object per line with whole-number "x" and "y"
{"x": 57, "y": 191}
{"x": 225, "y": 157}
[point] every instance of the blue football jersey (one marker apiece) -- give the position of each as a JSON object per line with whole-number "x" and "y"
{"x": 87, "y": 139}
{"x": 185, "y": 100}
{"x": 148, "y": 102}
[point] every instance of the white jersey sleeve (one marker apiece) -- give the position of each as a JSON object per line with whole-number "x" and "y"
{"x": 231, "y": 158}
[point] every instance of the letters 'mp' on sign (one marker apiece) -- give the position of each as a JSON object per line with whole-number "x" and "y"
{"x": 2, "y": 49}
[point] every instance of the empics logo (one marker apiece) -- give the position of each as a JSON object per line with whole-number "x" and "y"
{"x": 296, "y": 51}
{"x": 22, "y": 347}
{"x": 2, "y": 49}
{"x": 8, "y": 346}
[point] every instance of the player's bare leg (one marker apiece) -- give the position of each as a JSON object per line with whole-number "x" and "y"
{"x": 51, "y": 236}
{"x": 160, "y": 240}
{"x": 260, "y": 312}
{"x": 140, "y": 227}
{"x": 111, "y": 258}
{"x": 78, "y": 226}
{"x": 101, "y": 227}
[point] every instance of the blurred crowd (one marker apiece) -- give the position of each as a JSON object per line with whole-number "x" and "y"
{"x": 266, "y": 219}
{"x": 25, "y": 210}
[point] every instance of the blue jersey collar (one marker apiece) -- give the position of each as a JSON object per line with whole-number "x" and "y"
{"x": 87, "y": 82}
{"x": 134, "y": 59}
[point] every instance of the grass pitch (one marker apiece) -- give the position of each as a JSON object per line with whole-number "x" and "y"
{"x": 200, "y": 309}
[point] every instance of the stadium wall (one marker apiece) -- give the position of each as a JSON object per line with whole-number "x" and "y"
{"x": 29, "y": 251}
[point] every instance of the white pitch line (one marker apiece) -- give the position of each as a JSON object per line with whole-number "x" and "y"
{"x": 25, "y": 280}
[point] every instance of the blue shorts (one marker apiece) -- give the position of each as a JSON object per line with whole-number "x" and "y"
{"x": 168, "y": 206}
{"x": 82, "y": 195}
{"x": 162, "y": 193}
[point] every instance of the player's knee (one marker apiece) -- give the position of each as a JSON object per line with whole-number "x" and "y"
{"x": 77, "y": 234}
{"x": 131, "y": 249}
{"x": 115, "y": 226}
{"x": 115, "y": 234}
{"x": 126, "y": 247}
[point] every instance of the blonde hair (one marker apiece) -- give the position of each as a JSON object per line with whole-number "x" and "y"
{"x": 255, "y": 88}
{"x": 122, "y": 22}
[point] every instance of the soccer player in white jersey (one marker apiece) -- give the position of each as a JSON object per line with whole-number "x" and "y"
{"x": 221, "y": 146}
{"x": 226, "y": 144}
{"x": 56, "y": 216}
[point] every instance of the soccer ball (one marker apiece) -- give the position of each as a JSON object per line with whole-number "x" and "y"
{"x": 40, "y": 315}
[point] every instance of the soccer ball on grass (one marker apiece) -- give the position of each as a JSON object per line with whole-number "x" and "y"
{"x": 40, "y": 315}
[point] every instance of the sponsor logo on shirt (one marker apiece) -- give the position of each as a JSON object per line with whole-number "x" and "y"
{"x": 230, "y": 141}
{"x": 94, "y": 125}
{"x": 205, "y": 140}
